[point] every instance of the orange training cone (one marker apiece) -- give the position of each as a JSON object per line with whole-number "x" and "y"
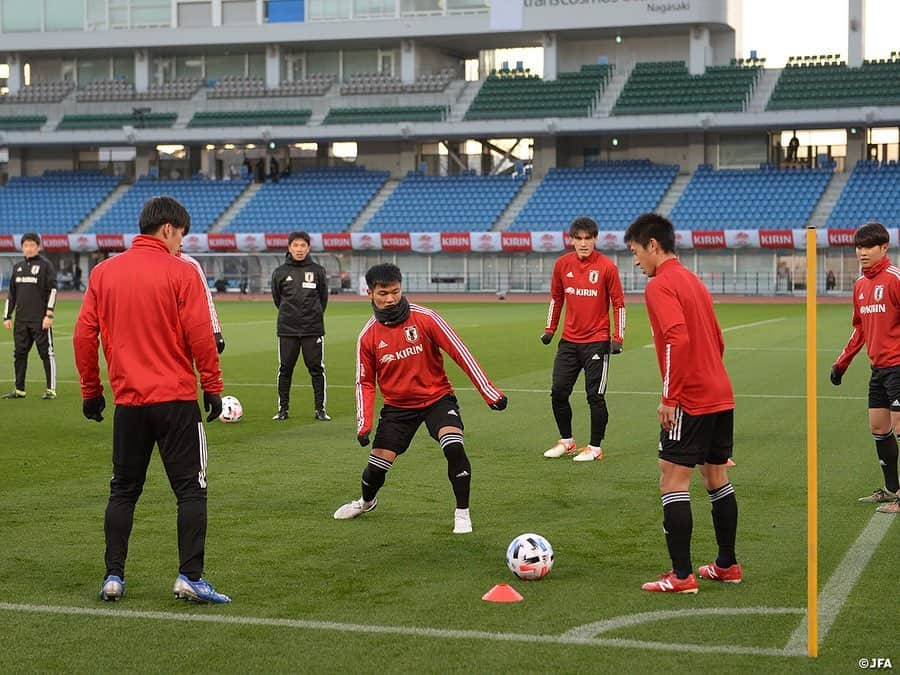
{"x": 502, "y": 593}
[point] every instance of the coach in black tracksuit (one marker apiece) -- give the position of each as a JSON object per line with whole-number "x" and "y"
{"x": 300, "y": 292}
{"x": 32, "y": 295}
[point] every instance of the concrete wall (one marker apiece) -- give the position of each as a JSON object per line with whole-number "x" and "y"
{"x": 396, "y": 157}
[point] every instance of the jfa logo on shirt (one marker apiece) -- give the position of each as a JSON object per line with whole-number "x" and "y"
{"x": 879, "y": 293}
{"x": 412, "y": 333}
{"x": 35, "y": 269}
{"x": 308, "y": 276}
{"x": 594, "y": 276}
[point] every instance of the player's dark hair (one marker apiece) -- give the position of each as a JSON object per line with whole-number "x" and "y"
{"x": 31, "y": 236}
{"x": 163, "y": 209}
{"x": 383, "y": 274}
{"x": 871, "y": 234}
{"x": 584, "y": 224}
{"x": 649, "y": 226}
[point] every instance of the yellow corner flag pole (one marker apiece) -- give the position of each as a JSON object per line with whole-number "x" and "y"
{"x": 812, "y": 482}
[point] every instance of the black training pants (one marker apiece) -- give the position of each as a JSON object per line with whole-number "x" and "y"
{"x": 289, "y": 349}
{"x": 571, "y": 359}
{"x": 177, "y": 429}
{"x": 27, "y": 333}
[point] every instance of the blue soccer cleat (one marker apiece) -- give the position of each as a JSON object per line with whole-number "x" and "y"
{"x": 198, "y": 591}
{"x": 113, "y": 589}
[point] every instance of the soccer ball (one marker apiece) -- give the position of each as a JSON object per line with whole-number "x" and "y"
{"x": 529, "y": 556}
{"x": 232, "y": 410}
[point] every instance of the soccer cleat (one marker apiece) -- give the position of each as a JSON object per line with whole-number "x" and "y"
{"x": 198, "y": 591}
{"x": 890, "y": 507}
{"x": 49, "y": 395}
{"x": 355, "y": 508}
{"x": 280, "y": 415}
{"x": 561, "y": 448}
{"x": 587, "y": 454}
{"x": 670, "y": 583}
{"x": 728, "y": 575}
{"x": 878, "y": 496}
{"x": 462, "y": 523}
{"x": 113, "y": 588}
{"x": 15, "y": 393}
{"x": 322, "y": 416}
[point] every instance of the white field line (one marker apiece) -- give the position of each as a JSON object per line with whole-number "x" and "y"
{"x": 230, "y": 384}
{"x": 844, "y": 578}
{"x": 414, "y": 631}
{"x": 740, "y": 326}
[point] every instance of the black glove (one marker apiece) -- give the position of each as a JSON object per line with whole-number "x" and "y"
{"x": 836, "y": 375}
{"x": 615, "y": 347}
{"x": 499, "y": 404}
{"x": 92, "y": 408}
{"x": 546, "y": 338}
{"x": 363, "y": 439}
{"x": 220, "y": 342}
{"x": 212, "y": 403}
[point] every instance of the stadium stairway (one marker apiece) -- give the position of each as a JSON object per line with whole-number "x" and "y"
{"x": 765, "y": 85}
{"x": 236, "y": 207}
{"x": 828, "y": 199}
{"x": 359, "y": 225}
{"x": 103, "y": 207}
{"x": 676, "y": 189}
{"x": 464, "y": 98}
{"x": 611, "y": 94}
{"x": 517, "y": 204}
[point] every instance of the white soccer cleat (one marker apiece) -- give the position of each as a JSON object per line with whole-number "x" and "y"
{"x": 561, "y": 448}
{"x": 462, "y": 522}
{"x": 355, "y": 508}
{"x": 588, "y": 454}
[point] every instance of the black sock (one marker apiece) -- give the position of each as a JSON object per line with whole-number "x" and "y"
{"x": 373, "y": 476}
{"x": 725, "y": 517}
{"x": 678, "y": 524}
{"x": 886, "y": 447}
{"x": 459, "y": 470}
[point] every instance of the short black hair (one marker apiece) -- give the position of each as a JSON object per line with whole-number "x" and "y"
{"x": 163, "y": 209}
{"x": 871, "y": 234}
{"x": 383, "y": 274}
{"x": 584, "y": 224}
{"x": 31, "y": 236}
{"x": 649, "y": 226}
{"x": 298, "y": 234}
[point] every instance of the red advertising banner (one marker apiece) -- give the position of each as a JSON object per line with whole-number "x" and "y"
{"x": 111, "y": 242}
{"x": 55, "y": 242}
{"x": 456, "y": 242}
{"x": 7, "y": 243}
{"x": 221, "y": 241}
{"x": 708, "y": 239}
{"x": 339, "y": 241}
{"x": 276, "y": 240}
{"x": 776, "y": 238}
{"x": 840, "y": 237}
{"x": 396, "y": 241}
{"x": 515, "y": 241}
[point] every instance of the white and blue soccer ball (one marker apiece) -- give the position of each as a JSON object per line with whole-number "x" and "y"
{"x": 232, "y": 410}
{"x": 529, "y": 556}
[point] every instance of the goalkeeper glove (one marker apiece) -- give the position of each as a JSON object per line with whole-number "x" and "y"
{"x": 500, "y": 403}
{"x": 212, "y": 403}
{"x": 836, "y": 375}
{"x": 546, "y": 338}
{"x": 220, "y": 342}
{"x": 363, "y": 439}
{"x": 615, "y": 347}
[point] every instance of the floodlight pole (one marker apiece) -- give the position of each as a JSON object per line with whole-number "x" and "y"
{"x": 812, "y": 489}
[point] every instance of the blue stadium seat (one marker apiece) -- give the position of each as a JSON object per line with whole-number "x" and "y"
{"x": 613, "y": 193}
{"x": 871, "y": 193}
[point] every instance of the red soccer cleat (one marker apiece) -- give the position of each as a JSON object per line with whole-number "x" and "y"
{"x": 670, "y": 583}
{"x": 728, "y": 575}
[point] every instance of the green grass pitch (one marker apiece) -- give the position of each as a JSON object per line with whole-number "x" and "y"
{"x": 395, "y": 590}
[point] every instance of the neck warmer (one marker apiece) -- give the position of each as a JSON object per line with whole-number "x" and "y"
{"x": 877, "y": 268}
{"x": 391, "y": 316}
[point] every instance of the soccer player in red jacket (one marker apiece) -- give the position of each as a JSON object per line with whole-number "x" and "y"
{"x": 149, "y": 309}
{"x": 399, "y": 350}
{"x": 876, "y": 324}
{"x": 696, "y": 413}
{"x": 587, "y": 282}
